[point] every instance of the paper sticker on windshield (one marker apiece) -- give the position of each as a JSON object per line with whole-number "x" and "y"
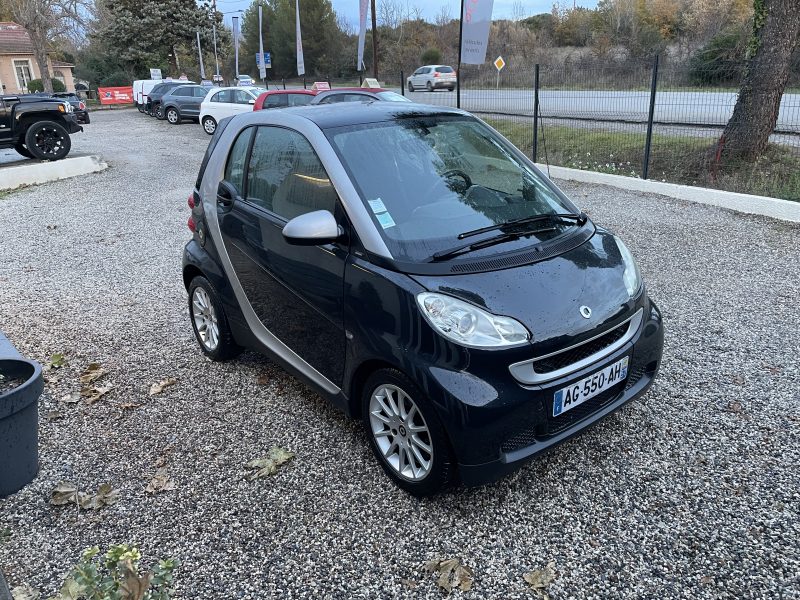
{"x": 386, "y": 220}
{"x": 378, "y": 206}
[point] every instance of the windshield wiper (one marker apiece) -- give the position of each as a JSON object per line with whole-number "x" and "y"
{"x": 579, "y": 218}
{"x": 497, "y": 239}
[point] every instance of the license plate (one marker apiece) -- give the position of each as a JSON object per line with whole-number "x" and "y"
{"x": 579, "y": 392}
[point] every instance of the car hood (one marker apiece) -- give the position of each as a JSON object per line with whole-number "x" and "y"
{"x": 547, "y": 296}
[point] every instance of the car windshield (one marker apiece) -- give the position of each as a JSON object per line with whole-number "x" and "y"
{"x": 427, "y": 179}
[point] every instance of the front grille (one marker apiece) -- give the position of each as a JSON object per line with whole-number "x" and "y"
{"x": 573, "y": 355}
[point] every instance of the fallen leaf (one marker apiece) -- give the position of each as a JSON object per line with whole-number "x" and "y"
{"x": 54, "y": 415}
{"x": 92, "y": 373}
{"x": 133, "y": 585}
{"x": 92, "y": 394}
{"x": 734, "y": 407}
{"x": 268, "y": 465}
{"x": 452, "y": 574}
{"x": 63, "y": 493}
{"x": 128, "y": 405}
{"x": 71, "y": 398}
{"x": 57, "y": 361}
{"x": 161, "y": 461}
{"x": 25, "y": 592}
{"x": 262, "y": 379}
{"x": 410, "y": 584}
{"x": 738, "y": 380}
{"x": 71, "y": 590}
{"x": 160, "y": 482}
{"x": 540, "y": 579}
{"x": 706, "y": 579}
{"x": 159, "y": 387}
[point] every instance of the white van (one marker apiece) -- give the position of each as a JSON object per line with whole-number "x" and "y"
{"x": 142, "y": 87}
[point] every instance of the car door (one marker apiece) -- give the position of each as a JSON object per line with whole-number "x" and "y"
{"x": 5, "y": 121}
{"x": 191, "y": 104}
{"x": 296, "y": 291}
{"x": 243, "y": 101}
{"x": 416, "y": 75}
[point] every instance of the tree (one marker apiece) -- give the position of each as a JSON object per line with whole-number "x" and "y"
{"x": 45, "y": 20}
{"x": 431, "y": 56}
{"x": 776, "y": 32}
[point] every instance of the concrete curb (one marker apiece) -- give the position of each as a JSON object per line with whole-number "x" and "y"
{"x": 785, "y": 210}
{"x": 5, "y": 593}
{"x": 32, "y": 172}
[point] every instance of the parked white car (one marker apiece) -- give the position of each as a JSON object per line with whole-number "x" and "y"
{"x": 226, "y": 102}
{"x": 432, "y": 77}
{"x": 141, "y": 88}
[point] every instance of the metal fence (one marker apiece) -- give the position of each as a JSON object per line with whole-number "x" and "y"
{"x": 635, "y": 118}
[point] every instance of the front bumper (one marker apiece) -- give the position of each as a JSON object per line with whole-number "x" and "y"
{"x": 496, "y": 424}
{"x": 82, "y": 117}
{"x": 71, "y": 122}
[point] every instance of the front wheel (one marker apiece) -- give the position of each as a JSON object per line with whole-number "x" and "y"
{"x": 209, "y": 125}
{"x": 405, "y": 434}
{"x": 173, "y": 116}
{"x": 429, "y": 86}
{"x": 47, "y": 140}
{"x": 410, "y": 87}
{"x": 209, "y": 323}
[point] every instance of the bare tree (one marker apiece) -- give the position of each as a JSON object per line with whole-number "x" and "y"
{"x": 46, "y": 20}
{"x": 776, "y": 34}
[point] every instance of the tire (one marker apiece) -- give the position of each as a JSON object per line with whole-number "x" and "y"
{"x": 159, "y": 112}
{"x": 209, "y": 323}
{"x": 172, "y": 115}
{"x": 209, "y": 125}
{"x": 410, "y": 87}
{"x": 47, "y": 140}
{"x": 22, "y": 150}
{"x": 385, "y": 428}
{"x": 450, "y": 89}
{"x": 429, "y": 86}
{"x": 140, "y": 108}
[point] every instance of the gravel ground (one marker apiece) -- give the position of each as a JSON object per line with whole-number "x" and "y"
{"x": 694, "y": 491}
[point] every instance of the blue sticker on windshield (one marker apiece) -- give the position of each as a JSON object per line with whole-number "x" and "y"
{"x": 386, "y": 220}
{"x": 377, "y": 206}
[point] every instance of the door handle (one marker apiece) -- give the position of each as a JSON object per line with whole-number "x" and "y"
{"x": 226, "y": 195}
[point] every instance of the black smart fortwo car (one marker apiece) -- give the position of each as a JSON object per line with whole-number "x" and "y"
{"x": 415, "y": 268}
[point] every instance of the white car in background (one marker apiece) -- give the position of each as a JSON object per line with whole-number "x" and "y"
{"x": 432, "y": 77}
{"x": 226, "y": 102}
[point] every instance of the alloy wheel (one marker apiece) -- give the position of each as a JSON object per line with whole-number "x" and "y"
{"x": 172, "y": 116}
{"x": 209, "y": 125}
{"x": 49, "y": 140}
{"x": 400, "y": 432}
{"x": 205, "y": 319}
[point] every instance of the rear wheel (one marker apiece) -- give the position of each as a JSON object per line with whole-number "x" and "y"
{"x": 159, "y": 112}
{"x": 209, "y": 323}
{"x": 173, "y": 116}
{"x": 47, "y": 140}
{"x": 405, "y": 434}
{"x": 450, "y": 89}
{"x": 21, "y": 149}
{"x": 429, "y": 86}
{"x": 209, "y": 125}
{"x": 140, "y": 108}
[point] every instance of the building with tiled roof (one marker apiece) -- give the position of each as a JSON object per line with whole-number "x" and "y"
{"x": 18, "y": 64}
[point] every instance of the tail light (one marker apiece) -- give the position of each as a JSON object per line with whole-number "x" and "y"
{"x": 436, "y": 73}
{"x": 191, "y": 224}
{"x": 190, "y": 201}
{"x": 82, "y": 105}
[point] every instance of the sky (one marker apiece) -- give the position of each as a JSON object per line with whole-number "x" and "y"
{"x": 503, "y": 9}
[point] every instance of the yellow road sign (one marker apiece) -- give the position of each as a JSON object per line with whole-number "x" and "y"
{"x": 499, "y": 63}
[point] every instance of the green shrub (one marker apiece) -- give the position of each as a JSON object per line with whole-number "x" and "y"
{"x": 36, "y": 85}
{"x": 431, "y": 56}
{"x": 118, "y": 577}
{"x": 721, "y": 60}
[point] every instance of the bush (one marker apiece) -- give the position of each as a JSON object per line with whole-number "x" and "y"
{"x": 431, "y": 56}
{"x": 36, "y": 85}
{"x": 721, "y": 60}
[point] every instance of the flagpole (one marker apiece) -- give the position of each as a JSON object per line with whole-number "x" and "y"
{"x": 200, "y": 56}
{"x": 216, "y": 60}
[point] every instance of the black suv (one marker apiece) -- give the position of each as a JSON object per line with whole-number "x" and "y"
{"x": 37, "y": 127}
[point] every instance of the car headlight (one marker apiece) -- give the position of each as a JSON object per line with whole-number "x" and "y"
{"x": 469, "y": 325}
{"x": 631, "y": 276}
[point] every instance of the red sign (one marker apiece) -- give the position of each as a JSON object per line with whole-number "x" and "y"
{"x": 115, "y": 95}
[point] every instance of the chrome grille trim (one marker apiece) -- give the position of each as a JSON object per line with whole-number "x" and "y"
{"x": 525, "y": 373}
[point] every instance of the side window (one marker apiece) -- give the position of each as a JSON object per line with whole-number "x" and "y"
{"x": 234, "y": 169}
{"x": 241, "y": 97}
{"x": 418, "y": 71}
{"x": 299, "y": 99}
{"x": 276, "y": 100}
{"x": 356, "y": 98}
{"x": 285, "y": 175}
{"x": 223, "y": 96}
{"x": 200, "y": 92}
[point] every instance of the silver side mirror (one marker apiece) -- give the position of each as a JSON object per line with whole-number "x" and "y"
{"x": 312, "y": 229}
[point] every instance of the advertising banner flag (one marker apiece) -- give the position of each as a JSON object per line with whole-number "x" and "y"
{"x": 262, "y": 68}
{"x": 301, "y": 65}
{"x": 235, "y": 21}
{"x": 115, "y": 95}
{"x": 362, "y": 32}
{"x": 476, "y": 22}
{"x": 200, "y": 55}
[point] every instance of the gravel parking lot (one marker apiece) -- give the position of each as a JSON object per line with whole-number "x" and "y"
{"x": 692, "y": 492}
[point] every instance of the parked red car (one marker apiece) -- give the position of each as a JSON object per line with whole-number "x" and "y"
{"x": 283, "y": 98}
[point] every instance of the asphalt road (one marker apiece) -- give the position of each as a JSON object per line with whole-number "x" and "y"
{"x": 693, "y": 491}
{"x": 686, "y": 108}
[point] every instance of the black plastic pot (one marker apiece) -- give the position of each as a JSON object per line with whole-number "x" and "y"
{"x": 19, "y": 424}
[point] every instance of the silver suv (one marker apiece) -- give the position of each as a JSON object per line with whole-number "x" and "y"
{"x": 432, "y": 77}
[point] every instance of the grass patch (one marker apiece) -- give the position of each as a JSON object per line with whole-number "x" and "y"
{"x": 673, "y": 158}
